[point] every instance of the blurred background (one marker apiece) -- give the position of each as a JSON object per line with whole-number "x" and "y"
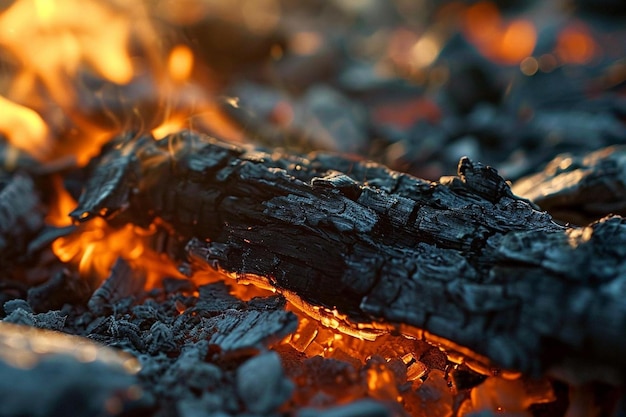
{"x": 414, "y": 84}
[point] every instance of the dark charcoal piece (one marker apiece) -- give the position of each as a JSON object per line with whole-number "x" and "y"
{"x": 121, "y": 283}
{"x": 465, "y": 378}
{"x": 580, "y": 189}
{"x": 60, "y": 289}
{"x": 21, "y": 216}
{"x": 362, "y": 408}
{"x": 19, "y": 312}
{"x": 13, "y": 305}
{"x": 462, "y": 258}
{"x": 473, "y": 79}
{"x": 115, "y": 177}
{"x": 232, "y": 325}
{"x": 236, "y": 330}
{"x": 261, "y": 384}
{"x": 80, "y": 377}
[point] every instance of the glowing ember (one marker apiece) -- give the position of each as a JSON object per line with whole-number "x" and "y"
{"x": 388, "y": 362}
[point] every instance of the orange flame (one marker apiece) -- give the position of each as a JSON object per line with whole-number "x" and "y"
{"x": 95, "y": 246}
{"x": 58, "y": 214}
{"x": 180, "y": 63}
{"x": 51, "y": 39}
{"x": 49, "y": 43}
{"x": 56, "y": 50}
{"x": 24, "y": 128}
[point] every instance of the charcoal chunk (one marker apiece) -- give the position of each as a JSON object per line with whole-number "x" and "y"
{"x": 87, "y": 378}
{"x": 462, "y": 258}
{"x": 261, "y": 383}
{"x": 362, "y": 408}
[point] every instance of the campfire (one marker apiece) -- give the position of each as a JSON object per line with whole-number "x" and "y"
{"x": 312, "y": 208}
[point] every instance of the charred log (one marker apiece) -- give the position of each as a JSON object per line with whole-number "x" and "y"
{"x": 580, "y": 189}
{"x": 462, "y": 258}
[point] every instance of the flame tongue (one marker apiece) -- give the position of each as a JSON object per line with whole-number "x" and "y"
{"x": 87, "y": 70}
{"x": 24, "y": 128}
{"x": 52, "y": 39}
{"x": 95, "y": 246}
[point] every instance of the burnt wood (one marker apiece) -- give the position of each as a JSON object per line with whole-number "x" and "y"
{"x": 580, "y": 188}
{"x": 462, "y": 258}
{"x": 21, "y": 215}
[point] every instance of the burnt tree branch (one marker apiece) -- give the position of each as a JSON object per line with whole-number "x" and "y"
{"x": 462, "y": 258}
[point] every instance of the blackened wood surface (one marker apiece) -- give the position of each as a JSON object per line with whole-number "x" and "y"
{"x": 580, "y": 189}
{"x": 462, "y": 258}
{"x": 21, "y": 215}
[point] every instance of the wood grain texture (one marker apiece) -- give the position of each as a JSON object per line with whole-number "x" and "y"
{"x": 462, "y": 258}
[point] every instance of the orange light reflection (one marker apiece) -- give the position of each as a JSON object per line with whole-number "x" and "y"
{"x": 95, "y": 246}
{"x": 575, "y": 45}
{"x": 180, "y": 63}
{"x": 24, "y": 128}
{"x": 501, "y": 41}
{"x": 58, "y": 214}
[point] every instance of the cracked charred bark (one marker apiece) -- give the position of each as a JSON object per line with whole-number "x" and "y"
{"x": 462, "y": 258}
{"x": 580, "y": 189}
